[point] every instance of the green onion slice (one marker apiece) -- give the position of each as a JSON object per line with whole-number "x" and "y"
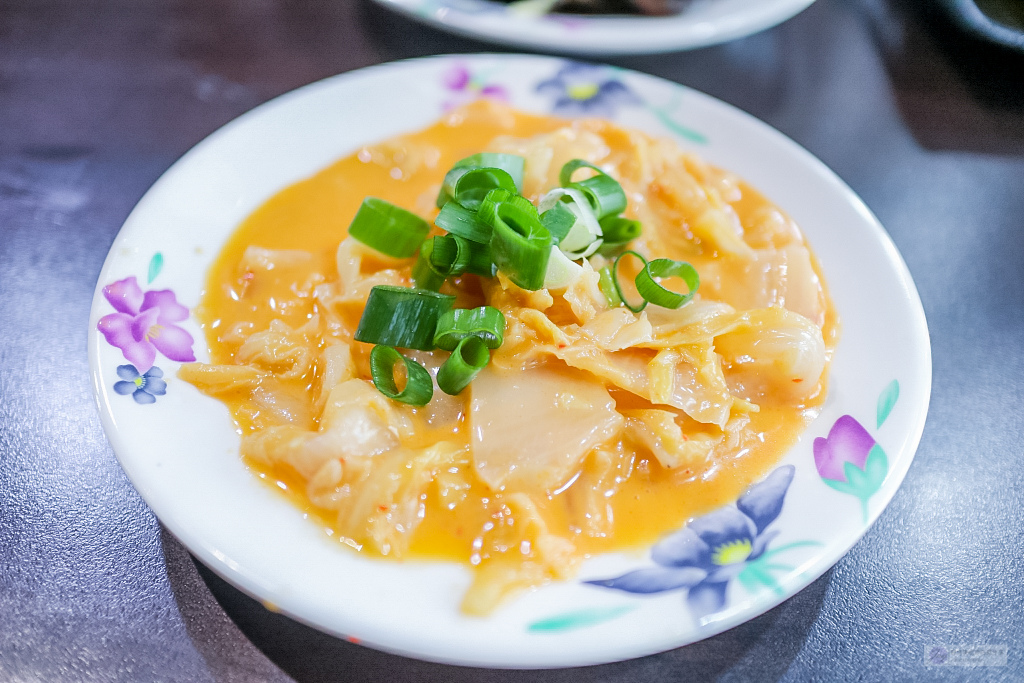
{"x": 449, "y": 256}
{"x": 651, "y": 290}
{"x": 520, "y": 244}
{"x": 619, "y": 229}
{"x": 419, "y": 387}
{"x": 511, "y": 164}
{"x": 456, "y": 219}
{"x": 559, "y": 221}
{"x": 466, "y": 361}
{"x": 388, "y": 228}
{"x": 402, "y": 317}
{"x": 480, "y": 261}
{"x": 636, "y": 308}
{"x": 486, "y": 322}
{"x": 570, "y": 167}
{"x": 561, "y": 270}
{"x": 608, "y": 288}
{"x": 604, "y": 193}
{"x": 474, "y": 184}
{"x": 423, "y": 273}
{"x": 579, "y": 242}
{"x": 618, "y": 233}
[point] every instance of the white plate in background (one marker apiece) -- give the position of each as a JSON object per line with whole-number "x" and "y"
{"x": 703, "y": 23}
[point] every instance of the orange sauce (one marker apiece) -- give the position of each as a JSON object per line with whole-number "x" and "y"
{"x": 313, "y": 214}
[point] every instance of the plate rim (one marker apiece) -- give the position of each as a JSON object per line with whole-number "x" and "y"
{"x": 212, "y": 558}
{"x": 672, "y": 34}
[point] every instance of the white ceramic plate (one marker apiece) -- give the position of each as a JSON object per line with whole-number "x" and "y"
{"x": 705, "y": 22}
{"x": 181, "y": 451}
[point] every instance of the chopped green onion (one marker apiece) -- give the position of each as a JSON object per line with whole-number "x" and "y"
{"x": 388, "y": 228}
{"x": 423, "y": 273}
{"x": 509, "y": 163}
{"x": 607, "y": 286}
{"x": 456, "y": 219}
{"x": 402, "y": 317}
{"x": 480, "y": 261}
{"x": 636, "y": 308}
{"x": 604, "y": 193}
{"x": 651, "y": 290}
{"x": 419, "y": 387}
{"x": 520, "y": 244}
{"x": 561, "y": 270}
{"x": 559, "y": 221}
{"x": 449, "y": 256}
{"x": 570, "y": 167}
{"x": 585, "y": 231}
{"x": 466, "y": 361}
{"x": 618, "y": 233}
{"x": 486, "y": 322}
{"x": 473, "y": 185}
{"x": 513, "y": 164}
{"x": 490, "y": 202}
{"x": 619, "y": 229}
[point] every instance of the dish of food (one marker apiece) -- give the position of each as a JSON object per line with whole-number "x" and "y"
{"x": 581, "y": 481}
{"x": 636, "y": 27}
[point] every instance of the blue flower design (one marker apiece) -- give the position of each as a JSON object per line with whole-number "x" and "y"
{"x": 716, "y": 548}
{"x": 144, "y": 388}
{"x": 586, "y": 89}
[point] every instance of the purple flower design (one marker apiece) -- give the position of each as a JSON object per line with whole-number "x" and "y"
{"x": 850, "y": 460}
{"x": 464, "y": 86}
{"x": 145, "y": 387}
{"x": 144, "y": 324}
{"x": 586, "y": 89}
{"x": 712, "y": 550}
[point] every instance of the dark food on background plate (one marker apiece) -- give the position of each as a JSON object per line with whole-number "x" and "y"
{"x": 647, "y": 7}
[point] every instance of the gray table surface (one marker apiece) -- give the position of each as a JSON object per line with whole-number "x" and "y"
{"x": 99, "y": 97}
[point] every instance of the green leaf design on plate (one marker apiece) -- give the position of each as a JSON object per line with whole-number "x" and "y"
{"x": 761, "y": 572}
{"x": 864, "y": 483}
{"x": 579, "y": 619}
{"x": 156, "y": 264}
{"x": 886, "y": 401}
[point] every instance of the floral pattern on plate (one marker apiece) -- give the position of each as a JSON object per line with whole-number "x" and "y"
{"x": 144, "y": 387}
{"x": 580, "y": 89}
{"x": 142, "y": 325}
{"x": 464, "y": 85}
{"x": 849, "y": 459}
{"x": 705, "y": 555}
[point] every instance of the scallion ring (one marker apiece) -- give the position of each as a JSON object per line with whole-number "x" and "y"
{"x": 584, "y": 231}
{"x": 480, "y": 261}
{"x": 618, "y": 233}
{"x": 608, "y": 288}
{"x": 654, "y": 292}
{"x": 474, "y": 184}
{"x": 449, "y": 256}
{"x": 570, "y": 167}
{"x": 511, "y": 164}
{"x": 388, "y": 228}
{"x": 520, "y": 244}
{"x": 423, "y": 273}
{"x": 419, "y": 387}
{"x": 486, "y": 322}
{"x": 402, "y": 317}
{"x": 636, "y": 308}
{"x": 605, "y": 194}
{"x": 559, "y": 221}
{"x": 465, "y": 362}
{"x": 456, "y": 219}
{"x": 619, "y": 229}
